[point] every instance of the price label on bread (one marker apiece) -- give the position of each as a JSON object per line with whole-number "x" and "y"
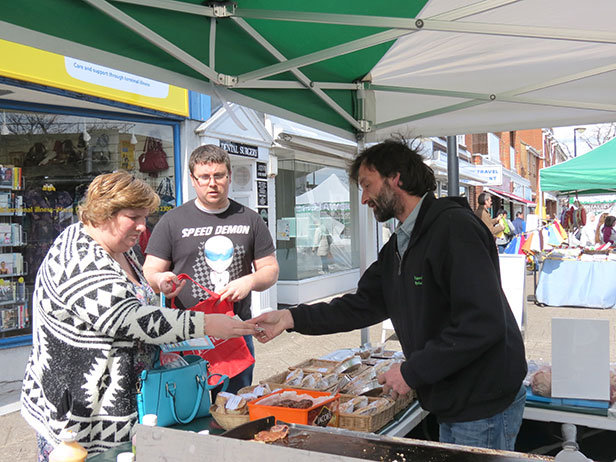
{"x": 228, "y": 403}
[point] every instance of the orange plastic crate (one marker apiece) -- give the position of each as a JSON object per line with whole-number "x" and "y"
{"x": 319, "y": 412}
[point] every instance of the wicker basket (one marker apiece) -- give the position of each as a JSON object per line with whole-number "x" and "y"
{"x": 402, "y": 402}
{"x": 249, "y": 389}
{"x": 228, "y": 421}
{"x": 324, "y": 366}
{"x": 365, "y": 423}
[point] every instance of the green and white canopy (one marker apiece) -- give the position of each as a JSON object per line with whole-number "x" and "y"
{"x": 591, "y": 173}
{"x": 354, "y": 67}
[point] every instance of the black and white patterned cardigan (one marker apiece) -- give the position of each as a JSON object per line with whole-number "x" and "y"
{"x": 86, "y": 323}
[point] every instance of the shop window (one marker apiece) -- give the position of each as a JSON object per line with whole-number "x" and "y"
{"x": 442, "y": 188}
{"x": 493, "y": 147}
{"x": 315, "y": 232}
{"x": 47, "y": 162}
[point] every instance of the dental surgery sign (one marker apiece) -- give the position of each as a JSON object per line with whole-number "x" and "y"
{"x": 41, "y": 67}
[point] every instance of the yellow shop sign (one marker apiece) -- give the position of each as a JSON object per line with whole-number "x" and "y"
{"x": 22, "y": 62}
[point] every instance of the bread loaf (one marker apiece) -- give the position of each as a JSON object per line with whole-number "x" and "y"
{"x": 294, "y": 378}
{"x": 221, "y": 401}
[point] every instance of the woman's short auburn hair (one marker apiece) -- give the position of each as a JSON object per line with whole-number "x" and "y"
{"x": 112, "y": 192}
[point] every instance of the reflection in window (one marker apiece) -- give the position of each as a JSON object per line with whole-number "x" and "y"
{"x": 47, "y": 162}
{"x": 314, "y": 229}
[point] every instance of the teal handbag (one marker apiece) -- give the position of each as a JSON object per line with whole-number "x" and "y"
{"x": 179, "y": 395}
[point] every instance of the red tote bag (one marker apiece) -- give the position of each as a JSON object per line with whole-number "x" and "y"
{"x": 229, "y": 357}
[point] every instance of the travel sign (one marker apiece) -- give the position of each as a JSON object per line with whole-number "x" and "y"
{"x": 491, "y": 174}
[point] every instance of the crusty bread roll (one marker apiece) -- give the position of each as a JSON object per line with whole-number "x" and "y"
{"x": 327, "y": 381}
{"x": 221, "y": 401}
{"x": 350, "y": 406}
{"x": 239, "y": 407}
{"x": 311, "y": 380}
{"x": 294, "y": 378}
{"x": 371, "y": 409}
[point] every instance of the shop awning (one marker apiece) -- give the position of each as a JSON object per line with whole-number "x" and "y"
{"x": 512, "y": 197}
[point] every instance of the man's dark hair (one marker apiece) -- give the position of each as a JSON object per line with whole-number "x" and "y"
{"x": 393, "y": 156}
{"x": 481, "y": 199}
{"x": 610, "y": 220}
{"x": 519, "y": 214}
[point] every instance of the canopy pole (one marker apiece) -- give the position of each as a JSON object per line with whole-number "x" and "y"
{"x": 367, "y": 240}
{"x": 453, "y": 169}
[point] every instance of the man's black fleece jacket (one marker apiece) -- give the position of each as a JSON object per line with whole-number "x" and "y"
{"x": 464, "y": 351}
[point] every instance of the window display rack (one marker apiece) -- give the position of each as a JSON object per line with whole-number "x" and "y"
{"x": 15, "y": 315}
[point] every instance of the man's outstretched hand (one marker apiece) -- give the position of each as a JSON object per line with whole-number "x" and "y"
{"x": 271, "y": 324}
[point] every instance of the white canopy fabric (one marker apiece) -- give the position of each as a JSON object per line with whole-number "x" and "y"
{"x": 545, "y": 64}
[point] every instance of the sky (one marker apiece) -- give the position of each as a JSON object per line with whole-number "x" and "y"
{"x": 565, "y": 136}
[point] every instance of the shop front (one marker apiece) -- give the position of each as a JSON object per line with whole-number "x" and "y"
{"x": 296, "y": 178}
{"x": 63, "y": 124}
{"x": 510, "y": 191}
{"x": 317, "y": 231}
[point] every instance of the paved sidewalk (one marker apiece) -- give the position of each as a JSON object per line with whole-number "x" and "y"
{"x": 17, "y": 440}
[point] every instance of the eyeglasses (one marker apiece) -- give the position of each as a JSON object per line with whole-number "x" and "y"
{"x": 204, "y": 180}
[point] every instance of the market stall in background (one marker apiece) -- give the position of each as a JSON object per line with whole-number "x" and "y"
{"x": 578, "y": 265}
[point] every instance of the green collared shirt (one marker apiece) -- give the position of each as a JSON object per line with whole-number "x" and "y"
{"x": 403, "y": 232}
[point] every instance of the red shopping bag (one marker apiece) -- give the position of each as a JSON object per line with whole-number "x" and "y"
{"x": 229, "y": 357}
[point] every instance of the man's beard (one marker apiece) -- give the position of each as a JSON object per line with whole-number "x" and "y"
{"x": 386, "y": 204}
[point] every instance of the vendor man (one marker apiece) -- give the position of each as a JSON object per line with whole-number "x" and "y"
{"x": 439, "y": 282}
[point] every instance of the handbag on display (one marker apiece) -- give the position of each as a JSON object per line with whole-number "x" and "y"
{"x": 229, "y": 356}
{"x": 154, "y": 158}
{"x": 100, "y": 150}
{"x": 165, "y": 191}
{"x": 177, "y": 395}
{"x": 35, "y": 155}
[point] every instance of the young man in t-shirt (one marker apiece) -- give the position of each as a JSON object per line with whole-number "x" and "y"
{"x": 223, "y": 245}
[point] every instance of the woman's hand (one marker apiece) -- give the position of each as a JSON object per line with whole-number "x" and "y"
{"x": 223, "y": 326}
{"x": 272, "y": 324}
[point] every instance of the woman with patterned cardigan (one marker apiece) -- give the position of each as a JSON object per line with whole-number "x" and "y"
{"x": 97, "y": 324}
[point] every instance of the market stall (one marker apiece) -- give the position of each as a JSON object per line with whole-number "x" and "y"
{"x": 591, "y": 173}
{"x": 399, "y": 427}
{"x": 350, "y": 376}
{"x": 307, "y": 443}
{"x": 572, "y": 282}
{"x": 583, "y": 276}
{"x": 343, "y": 440}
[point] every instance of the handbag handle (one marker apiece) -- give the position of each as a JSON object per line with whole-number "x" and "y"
{"x": 171, "y": 396}
{"x": 147, "y": 146}
{"x": 223, "y": 378}
{"x": 183, "y": 276}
